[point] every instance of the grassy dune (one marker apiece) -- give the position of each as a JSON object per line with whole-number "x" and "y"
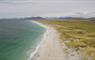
{"x": 77, "y": 34}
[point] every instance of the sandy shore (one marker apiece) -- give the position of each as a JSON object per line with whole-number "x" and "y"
{"x": 50, "y": 47}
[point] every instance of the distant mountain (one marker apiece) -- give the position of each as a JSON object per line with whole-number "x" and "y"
{"x": 64, "y": 17}
{"x": 92, "y": 18}
{"x": 24, "y": 18}
{"x": 51, "y": 18}
{"x": 34, "y": 18}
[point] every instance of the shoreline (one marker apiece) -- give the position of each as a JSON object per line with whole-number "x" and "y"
{"x": 50, "y": 48}
{"x": 32, "y": 55}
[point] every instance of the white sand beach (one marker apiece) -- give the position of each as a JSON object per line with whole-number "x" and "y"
{"x": 50, "y": 47}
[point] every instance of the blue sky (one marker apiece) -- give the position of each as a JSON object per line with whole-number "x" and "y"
{"x": 50, "y": 8}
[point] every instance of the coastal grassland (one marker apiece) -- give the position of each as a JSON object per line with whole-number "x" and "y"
{"x": 77, "y": 34}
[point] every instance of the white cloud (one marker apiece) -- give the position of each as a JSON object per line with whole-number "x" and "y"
{"x": 16, "y": 8}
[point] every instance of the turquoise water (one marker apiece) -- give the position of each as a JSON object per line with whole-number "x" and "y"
{"x": 17, "y": 38}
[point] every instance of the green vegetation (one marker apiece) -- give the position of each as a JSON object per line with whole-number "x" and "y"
{"x": 77, "y": 34}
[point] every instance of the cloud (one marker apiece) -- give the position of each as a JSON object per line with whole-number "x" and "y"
{"x": 18, "y": 8}
{"x": 16, "y": 1}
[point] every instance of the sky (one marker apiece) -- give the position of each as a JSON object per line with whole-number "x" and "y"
{"x": 46, "y": 8}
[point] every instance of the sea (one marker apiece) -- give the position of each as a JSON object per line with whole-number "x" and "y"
{"x": 19, "y": 38}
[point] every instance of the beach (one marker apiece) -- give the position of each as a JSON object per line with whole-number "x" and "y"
{"x": 50, "y": 47}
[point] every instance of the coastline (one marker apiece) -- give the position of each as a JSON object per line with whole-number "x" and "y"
{"x": 49, "y": 48}
{"x": 32, "y": 55}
